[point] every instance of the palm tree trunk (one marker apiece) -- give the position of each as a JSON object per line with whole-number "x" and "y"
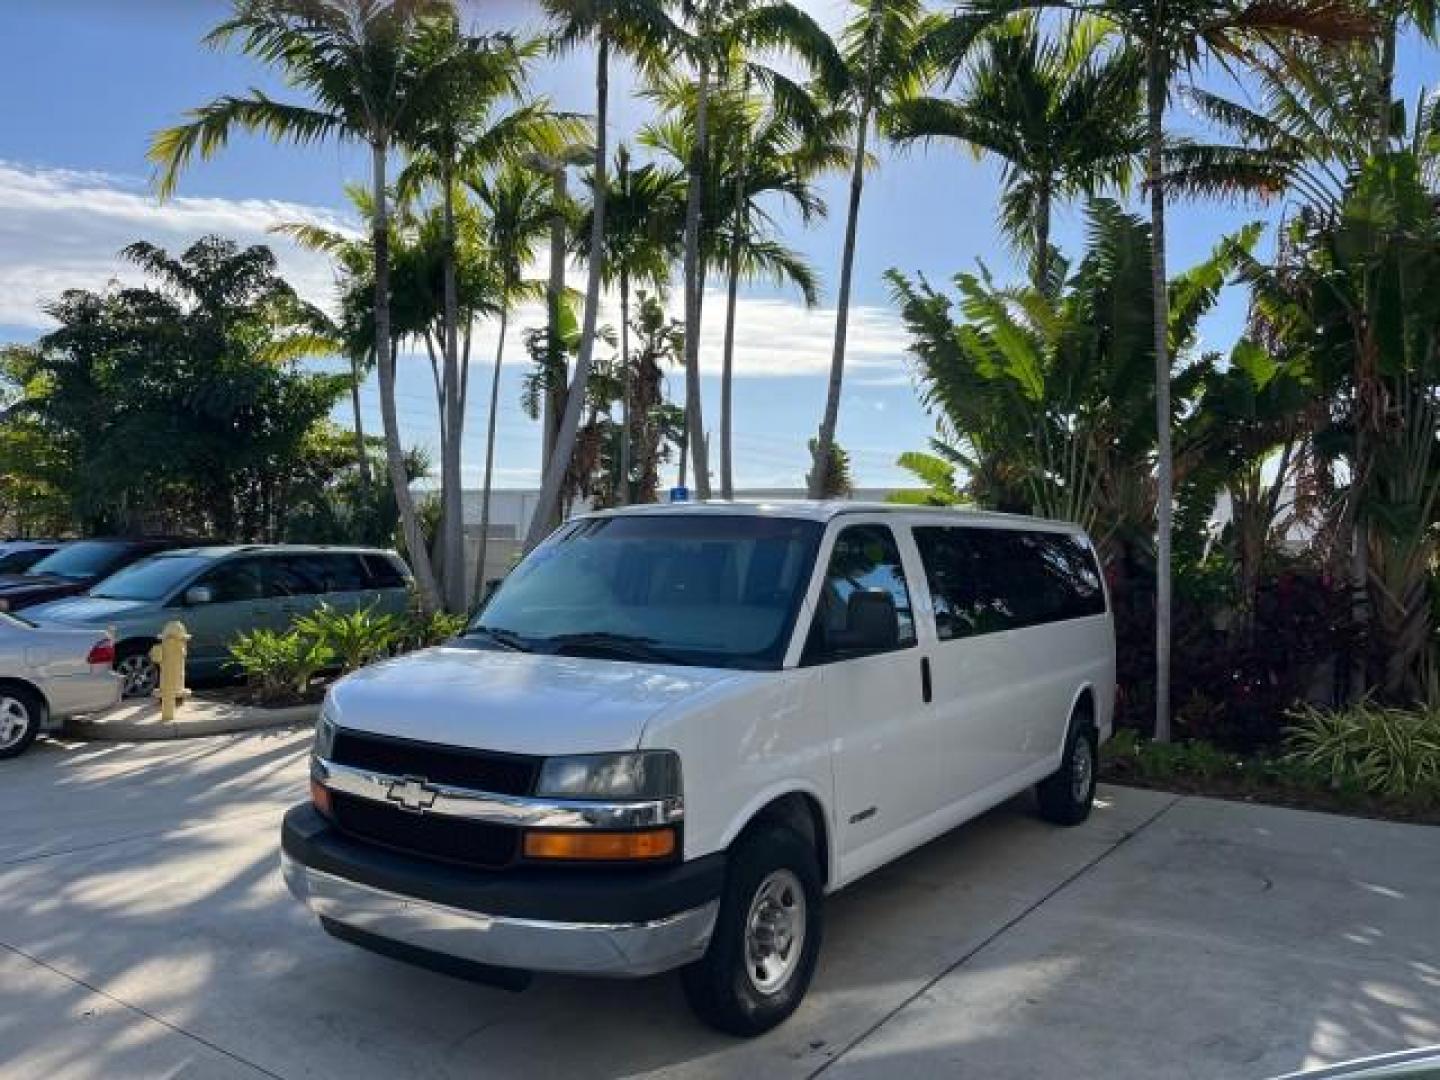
{"x": 695, "y": 423}
{"x": 362, "y": 456}
{"x": 479, "y": 590}
{"x": 1042, "y": 239}
{"x": 820, "y": 466}
{"x": 727, "y": 372}
{"x": 452, "y": 518}
{"x": 565, "y": 439}
{"x": 552, "y": 407}
{"x": 385, "y": 363}
{"x": 622, "y": 487}
{"x": 1164, "y": 462}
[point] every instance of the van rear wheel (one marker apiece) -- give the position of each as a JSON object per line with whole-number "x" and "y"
{"x": 767, "y": 936}
{"x": 1067, "y": 794}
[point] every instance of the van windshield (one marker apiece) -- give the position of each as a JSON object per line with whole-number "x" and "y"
{"x": 87, "y": 558}
{"x": 696, "y": 589}
{"x": 152, "y": 579}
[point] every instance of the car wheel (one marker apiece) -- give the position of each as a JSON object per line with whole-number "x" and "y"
{"x": 767, "y": 936}
{"x": 141, "y": 674}
{"x": 1067, "y": 794}
{"x": 21, "y": 713}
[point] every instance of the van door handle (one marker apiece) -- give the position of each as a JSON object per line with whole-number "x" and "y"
{"x": 925, "y": 689}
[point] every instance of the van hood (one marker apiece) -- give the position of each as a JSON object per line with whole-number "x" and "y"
{"x": 518, "y": 703}
{"x": 85, "y": 610}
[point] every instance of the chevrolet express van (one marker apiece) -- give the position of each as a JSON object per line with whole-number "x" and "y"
{"x": 672, "y": 730}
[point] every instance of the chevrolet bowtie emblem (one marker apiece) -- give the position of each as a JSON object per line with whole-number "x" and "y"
{"x": 413, "y": 794}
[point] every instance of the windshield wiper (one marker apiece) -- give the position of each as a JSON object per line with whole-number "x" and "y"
{"x": 506, "y": 639}
{"x": 624, "y": 645}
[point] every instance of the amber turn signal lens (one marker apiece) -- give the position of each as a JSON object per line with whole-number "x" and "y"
{"x": 320, "y": 796}
{"x": 601, "y": 846}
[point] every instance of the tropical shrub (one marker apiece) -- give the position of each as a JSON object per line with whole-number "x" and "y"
{"x": 1232, "y": 679}
{"x": 1380, "y": 750}
{"x": 355, "y": 638}
{"x": 421, "y": 630}
{"x": 279, "y": 667}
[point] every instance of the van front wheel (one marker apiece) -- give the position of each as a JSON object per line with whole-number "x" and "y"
{"x": 1067, "y": 794}
{"x": 767, "y": 936}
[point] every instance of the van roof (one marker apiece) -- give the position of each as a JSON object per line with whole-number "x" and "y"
{"x": 221, "y": 551}
{"x": 813, "y": 510}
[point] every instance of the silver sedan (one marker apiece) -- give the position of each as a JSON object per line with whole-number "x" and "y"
{"x": 47, "y": 674}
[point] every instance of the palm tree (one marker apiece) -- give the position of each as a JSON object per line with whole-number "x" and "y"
{"x": 1173, "y": 38}
{"x": 356, "y": 61}
{"x": 723, "y": 34}
{"x": 351, "y": 335}
{"x": 1063, "y": 122}
{"x": 454, "y": 132}
{"x": 757, "y": 156}
{"x": 641, "y": 30}
{"x": 517, "y": 206}
{"x": 883, "y": 66}
{"x": 644, "y": 220}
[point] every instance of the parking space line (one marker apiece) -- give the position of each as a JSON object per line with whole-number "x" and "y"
{"x": 137, "y": 1010}
{"x": 996, "y": 934}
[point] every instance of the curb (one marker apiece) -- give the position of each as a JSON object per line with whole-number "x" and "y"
{"x": 250, "y": 719}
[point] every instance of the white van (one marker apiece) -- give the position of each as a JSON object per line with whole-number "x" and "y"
{"x": 673, "y": 729}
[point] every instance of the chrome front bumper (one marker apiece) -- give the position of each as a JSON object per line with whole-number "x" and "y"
{"x": 601, "y": 949}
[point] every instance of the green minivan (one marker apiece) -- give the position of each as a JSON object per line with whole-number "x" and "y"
{"x": 219, "y": 592}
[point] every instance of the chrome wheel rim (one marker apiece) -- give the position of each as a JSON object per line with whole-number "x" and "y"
{"x": 15, "y": 721}
{"x": 140, "y": 674}
{"x": 775, "y": 932}
{"x": 1082, "y": 771}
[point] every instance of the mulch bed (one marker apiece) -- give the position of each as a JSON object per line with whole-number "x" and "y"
{"x": 1247, "y": 790}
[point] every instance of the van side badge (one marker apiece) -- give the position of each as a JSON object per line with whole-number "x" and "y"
{"x": 863, "y": 815}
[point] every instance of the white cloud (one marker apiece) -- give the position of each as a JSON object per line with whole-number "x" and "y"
{"x": 62, "y": 229}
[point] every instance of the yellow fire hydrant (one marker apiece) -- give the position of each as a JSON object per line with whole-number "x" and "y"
{"x": 170, "y": 655}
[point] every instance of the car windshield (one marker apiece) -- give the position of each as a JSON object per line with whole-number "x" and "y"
{"x": 704, "y": 590}
{"x": 88, "y": 558}
{"x": 20, "y": 560}
{"x": 151, "y": 579}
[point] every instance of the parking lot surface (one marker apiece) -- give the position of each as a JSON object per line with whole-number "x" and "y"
{"x": 145, "y": 932}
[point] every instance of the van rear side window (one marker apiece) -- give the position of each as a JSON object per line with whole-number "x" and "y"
{"x": 984, "y": 581}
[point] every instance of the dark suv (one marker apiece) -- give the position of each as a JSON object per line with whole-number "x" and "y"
{"x": 72, "y": 569}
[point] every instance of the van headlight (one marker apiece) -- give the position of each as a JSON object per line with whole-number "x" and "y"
{"x": 324, "y": 745}
{"x": 639, "y": 774}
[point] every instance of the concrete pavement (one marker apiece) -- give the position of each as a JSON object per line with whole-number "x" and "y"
{"x": 144, "y": 932}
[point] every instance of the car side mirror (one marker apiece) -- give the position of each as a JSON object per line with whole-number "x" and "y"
{"x": 200, "y": 594}
{"x": 873, "y": 624}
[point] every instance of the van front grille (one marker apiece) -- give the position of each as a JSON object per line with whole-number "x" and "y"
{"x": 432, "y": 836}
{"x": 478, "y": 770}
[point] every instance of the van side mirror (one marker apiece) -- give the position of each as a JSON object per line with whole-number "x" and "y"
{"x": 199, "y": 594}
{"x": 872, "y": 623}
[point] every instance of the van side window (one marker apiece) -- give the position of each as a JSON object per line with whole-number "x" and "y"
{"x": 234, "y": 581}
{"x": 864, "y": 604}
{"x": 983, "y": 581}
{"x": 384, "y": 572}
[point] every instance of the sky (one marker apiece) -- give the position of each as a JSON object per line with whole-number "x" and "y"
{"x": 85, "y": 83}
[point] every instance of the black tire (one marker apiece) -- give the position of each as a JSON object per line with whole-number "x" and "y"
{"x": 1067, "y": 794}
{"x": 724, "y": 987}
{"x": 21, "y": 709}
{"x": 130, "y": 660}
